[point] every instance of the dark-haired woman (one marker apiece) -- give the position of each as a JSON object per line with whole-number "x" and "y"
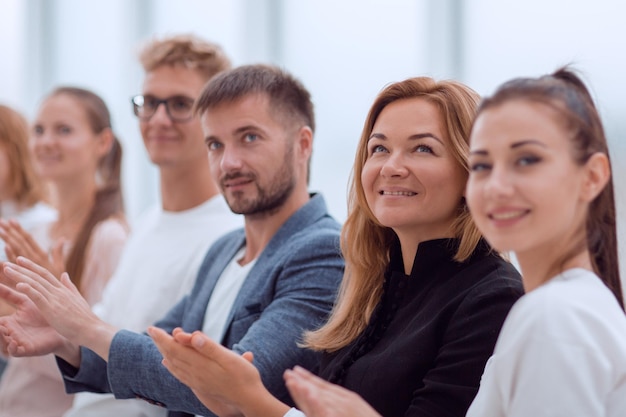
{"x": 540, "y": 186}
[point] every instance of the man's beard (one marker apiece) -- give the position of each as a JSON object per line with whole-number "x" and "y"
{"x": 269, "y": 199}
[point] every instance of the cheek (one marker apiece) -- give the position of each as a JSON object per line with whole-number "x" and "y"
{"x": 471, "y": 194}
{"x": 369, "y": 174}
{"x": 143, "y": 128}
{"x": 449, "y": 183}
{"x": 214, "y": 163}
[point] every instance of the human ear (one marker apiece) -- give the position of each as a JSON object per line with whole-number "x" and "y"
{"x": 597, "y": 175}
{"x": 105, "y": 141}
{"x": 305, "y": 143}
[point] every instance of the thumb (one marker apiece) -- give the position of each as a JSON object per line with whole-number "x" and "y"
{"x": 249, "y": 356}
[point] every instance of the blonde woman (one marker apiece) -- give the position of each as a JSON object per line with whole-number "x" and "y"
{"x": 76, "y": 152}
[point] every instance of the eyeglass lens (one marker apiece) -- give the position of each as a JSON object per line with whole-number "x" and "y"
{"x": 178, "y": 108}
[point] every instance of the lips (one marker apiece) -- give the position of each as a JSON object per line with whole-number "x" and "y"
{"x": 230, "y": 181}
{"x": 397, "y": 193}
{"x": 48, "y": 158}
{"x": 504, "y": 215}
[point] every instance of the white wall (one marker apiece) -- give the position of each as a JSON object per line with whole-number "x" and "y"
{"x": 344, "y": 51}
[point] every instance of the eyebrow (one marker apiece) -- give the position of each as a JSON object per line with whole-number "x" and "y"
{"x": 513, "y": 146}
{"x": 238, "y": 131}
{"x": 528, "y": 142}
{"x": 417, "y": 136}
{"x": 245, "y": 128}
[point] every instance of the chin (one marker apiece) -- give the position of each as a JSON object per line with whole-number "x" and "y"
{"x": 504, "y": 243}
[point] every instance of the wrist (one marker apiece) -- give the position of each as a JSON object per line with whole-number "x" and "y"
{"x": 69, "y": 352}
{"x": 98, "y": 338}
{"x": 264, "y": 405}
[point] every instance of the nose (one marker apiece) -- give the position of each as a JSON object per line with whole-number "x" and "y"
{"x": 394, "y": 166}
{"x": 43, "y": 139}
{"x": 160, "y": 115}
{"x": 499, "y": 183}
{"x": 230, "y": 160}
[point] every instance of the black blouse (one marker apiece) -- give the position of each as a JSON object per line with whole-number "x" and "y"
{"x": 428, "y": 340}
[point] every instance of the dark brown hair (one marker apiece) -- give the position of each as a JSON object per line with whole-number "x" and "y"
{"x": 287, "y": 95}
{"x": 108, "y": 200}
{"x": 566, "y": 93}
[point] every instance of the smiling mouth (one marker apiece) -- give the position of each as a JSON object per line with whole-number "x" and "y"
{"x": 398, "y": 193}
{"x": 508, "y": 215}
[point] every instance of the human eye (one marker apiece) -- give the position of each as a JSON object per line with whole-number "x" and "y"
{"x": 64, "y": 129}
{"x": 377, "y": 149}
{"x": 213, "y": 145}
{"x": 38, "y": 130}
{"x": 527, "y": 160}
{"x": 422, "y": 148}
{"x": 250, "y": 137}
{"x": 149, "y": 103}
{"x": 479, "y": 166}
{"x": 180, "y": 103}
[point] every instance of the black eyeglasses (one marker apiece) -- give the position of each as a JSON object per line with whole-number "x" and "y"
{"x": 178, "y": 108}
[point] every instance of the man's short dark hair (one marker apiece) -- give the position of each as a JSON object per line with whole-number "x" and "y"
{"x": 288, "y": 97}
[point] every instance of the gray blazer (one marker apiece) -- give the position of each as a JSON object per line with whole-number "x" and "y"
{"x": 291, "y": 288}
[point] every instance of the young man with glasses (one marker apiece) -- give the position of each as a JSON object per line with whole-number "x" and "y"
{"x": 168, "y": 242}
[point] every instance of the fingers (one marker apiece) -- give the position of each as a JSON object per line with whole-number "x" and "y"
{"x": 67, "y": 283}
{"x": 249, "y": 356}
{"x": 10, "y": 253}
{"x": 177, "y": 359}
{"x": 182, "y": 337}
{"x": 300, "y": 373}
{"x": 11, "y": 296}
{"x": 37, "y": 269}
{"x": 20, "y": 275}
{"x": 20, "y": 242}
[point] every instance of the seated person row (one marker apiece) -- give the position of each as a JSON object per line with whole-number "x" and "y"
{"x": 540, "y": 186}
{"x": 258, "y": 289}
{"x": 418, "y": 277}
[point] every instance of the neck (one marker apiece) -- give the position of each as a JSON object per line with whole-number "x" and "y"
{"x": 260, "y": 228}
{"x": 73, "y": 201}
{"x": 538, "y": 267}
{"x": 187, "y": 187}
{"x": 408, "y": 247}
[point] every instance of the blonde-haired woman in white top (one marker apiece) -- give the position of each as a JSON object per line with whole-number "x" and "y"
{"x": 77, "y": 154}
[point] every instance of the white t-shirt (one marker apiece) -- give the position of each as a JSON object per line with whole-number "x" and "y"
{"x": 561, "y": 352}
{"x": 158, "y": 267}
{"x": 224, "y": 295}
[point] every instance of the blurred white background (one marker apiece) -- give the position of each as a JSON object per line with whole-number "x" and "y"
{"x": 344, "y": 51}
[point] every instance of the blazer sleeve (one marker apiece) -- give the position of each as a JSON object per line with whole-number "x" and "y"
{"x": 91, "y": 376}
{"x": 305, "y": 292}
{"x": 468, "y": 342}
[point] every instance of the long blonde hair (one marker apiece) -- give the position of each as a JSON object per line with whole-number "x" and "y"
{"x": 25, "y": 186}
{"x": 365, "y": 243}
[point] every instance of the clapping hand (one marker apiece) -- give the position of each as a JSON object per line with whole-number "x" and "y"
{"x": 19, "y": 242}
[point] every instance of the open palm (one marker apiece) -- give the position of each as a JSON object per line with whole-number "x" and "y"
{"x": 26, "y": 332}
